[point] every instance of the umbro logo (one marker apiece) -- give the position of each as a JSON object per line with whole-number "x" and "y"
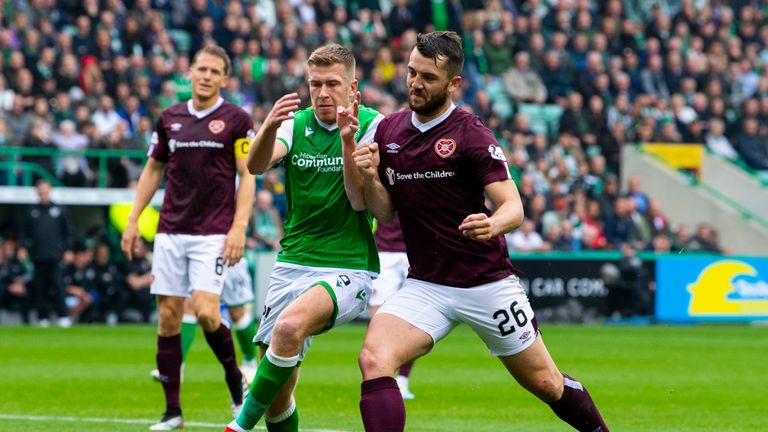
{"x": 393, "y": 148}
{"x": 175, "y": 127}
{"x": 307, "y": 131}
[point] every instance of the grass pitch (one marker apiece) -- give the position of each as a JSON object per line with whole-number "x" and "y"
{"x": 707, "y": 378}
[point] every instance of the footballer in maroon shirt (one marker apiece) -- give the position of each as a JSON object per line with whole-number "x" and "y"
{"x": 434, "y": 164}
{"x": 199, "y": 146}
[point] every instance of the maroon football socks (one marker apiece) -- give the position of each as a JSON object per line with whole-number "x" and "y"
{"x": 381, "y": 405}
{"x": 577, "y": 408}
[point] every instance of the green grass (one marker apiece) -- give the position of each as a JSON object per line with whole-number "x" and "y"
{"x": 707, "y": 378}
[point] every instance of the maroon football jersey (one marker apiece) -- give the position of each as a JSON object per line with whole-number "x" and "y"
{"x": 389, "y": 237}
{"x": 436, "y": 179}
{"x": 199, "y": 150}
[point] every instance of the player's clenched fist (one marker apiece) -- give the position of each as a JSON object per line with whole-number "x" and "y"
{"x": 282, "y": 110}
{"x": 477, "y": 226}
{"x": 367, "y": 159}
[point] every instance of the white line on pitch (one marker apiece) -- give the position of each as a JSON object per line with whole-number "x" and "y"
{"x": 129, "y": 421}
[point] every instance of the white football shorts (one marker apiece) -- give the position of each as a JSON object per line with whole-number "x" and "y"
{"x": 238, "y": 285}
{"x": 498, "y": 312}
{"x": 394, "y": 271}
{"x": 182, "y": 263}
{"x": 349, "y": 289}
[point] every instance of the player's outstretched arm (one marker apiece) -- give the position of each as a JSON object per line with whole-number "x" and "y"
{"x": 234, "y": 245}
{"x": 507, "y": 217}
{"x": 263, "y": 152}
{"x": 349, "y": 124}
{"x": 377, "y": 198}
{"x": 149, "y": 182}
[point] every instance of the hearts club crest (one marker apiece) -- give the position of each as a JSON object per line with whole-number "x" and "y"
{"x": 216, "y": 126}
{"x": 445, "y": 147}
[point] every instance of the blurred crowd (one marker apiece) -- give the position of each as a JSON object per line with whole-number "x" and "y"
{"x": 95, "y": 74}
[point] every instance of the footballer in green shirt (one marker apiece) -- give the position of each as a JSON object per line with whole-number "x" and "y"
{"x": 324, "y": 271}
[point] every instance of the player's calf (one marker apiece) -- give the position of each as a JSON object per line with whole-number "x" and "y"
{"x": 577, "y": 408}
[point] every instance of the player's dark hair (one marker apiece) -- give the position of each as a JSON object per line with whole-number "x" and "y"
{"x": 331, "y": 54}
{"x": 443, "y": 45}
{"x": 217, "y": 51}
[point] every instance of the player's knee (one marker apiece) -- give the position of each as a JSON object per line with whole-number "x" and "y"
{"x": 372, "y": 363}
{"x": 209, "y": 319}
{"x": 289, "y": 329}
{"x": 547, "y": 386}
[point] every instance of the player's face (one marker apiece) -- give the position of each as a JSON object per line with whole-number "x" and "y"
{"x": 329, "y": 87}
{"x": 207, "y": 76}
{"x": 429, "y": 86}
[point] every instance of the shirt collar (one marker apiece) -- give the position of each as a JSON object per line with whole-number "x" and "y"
{"x": 205, "y": 112}
{"x": 423, "y": 127}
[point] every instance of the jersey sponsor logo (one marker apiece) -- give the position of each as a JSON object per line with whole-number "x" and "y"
{"x": 390, "y": 176}
{"x": 176, "y": 127}
{"x": 393, "y": 176}
{"x": 216, "y": 126}
{"x": 445, "y": 147}
{"x": 173, "y": 144}
{"x": 321, "y": 162}
{"x": 308, "y": 131}
{"x": 496, "y": 152}
{"x": 393, "y": 148}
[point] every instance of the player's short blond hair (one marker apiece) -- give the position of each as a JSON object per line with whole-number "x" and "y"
{"x": 331, "y": 54}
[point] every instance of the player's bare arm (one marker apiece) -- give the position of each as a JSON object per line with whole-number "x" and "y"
{"x": 149, "y": 182}
{"x": 507, "y": 217}
{"x": 377, "y": 198}
{"x": 235, "y": 241}
{"x": 263, "y": 152}
{"x": 349, "y": 124}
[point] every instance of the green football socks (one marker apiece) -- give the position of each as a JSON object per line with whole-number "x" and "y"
{"x": 285, "y": 422}
{"x": 273, "y": 372}
{"x": 245, "y": 330}
{"x": 188, "y": 331}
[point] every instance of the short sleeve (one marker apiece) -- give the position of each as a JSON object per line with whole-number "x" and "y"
{"x": 370, "y": 133}
{"x": 485, "y": 153}
{"x": 285, "y": 134}
{"x": 158, "y": 143}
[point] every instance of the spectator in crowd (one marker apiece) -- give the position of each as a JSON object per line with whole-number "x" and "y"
{"x": 47, "y": 236}
{"x": 108, "y": 284}
{"x": 752, "y": 145}
{"x": 80, "y": 284}
{"x": 717, "y": 142}
{"x": 526, "y": 239}
{"x": 138, "y": 279}
{"x": 522, "y": 83}
{"x": 15, "y": 276}
{"x": 266, "y": 225}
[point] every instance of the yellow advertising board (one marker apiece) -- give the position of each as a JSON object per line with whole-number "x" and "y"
{"x": 685, "y": 156}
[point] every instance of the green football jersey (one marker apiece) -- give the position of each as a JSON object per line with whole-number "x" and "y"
{"x": 321, "y": 228}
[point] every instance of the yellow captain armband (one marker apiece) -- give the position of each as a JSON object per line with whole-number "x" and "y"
{"x": 241, "y": 147}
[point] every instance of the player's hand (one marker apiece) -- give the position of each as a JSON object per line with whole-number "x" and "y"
{"x": 367, "y": 159}
{"x": 130, "y": 237}
{"x": 478, "y": 226}
{"x": 282, "y": 110}
{"x": 346, "y": 119}
{"x": 233, "y": 247}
